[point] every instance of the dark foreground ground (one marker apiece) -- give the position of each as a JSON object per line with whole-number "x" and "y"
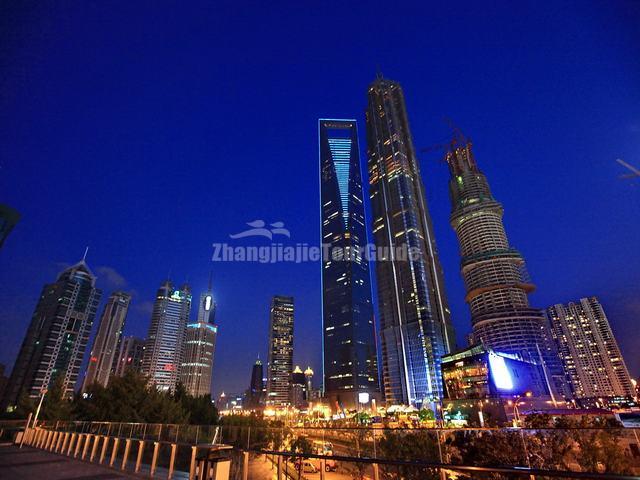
{"x": 28, "y": 463}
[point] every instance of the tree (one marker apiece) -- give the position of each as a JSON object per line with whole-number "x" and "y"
{"x": 201, "y": 409}
{"x": 488, "y": 448}
{"x": 129, "y": 399}
{"x": 537, "y": 420}
{"x": 426, "y": 415}
{"x": 56, "y": 405}
{"x": 410, "y": 445}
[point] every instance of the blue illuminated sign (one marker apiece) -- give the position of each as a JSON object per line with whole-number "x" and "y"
{"x": 500, "y": 372}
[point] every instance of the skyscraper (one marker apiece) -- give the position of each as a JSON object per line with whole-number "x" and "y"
{"x": 200, "y": 344}
{"x": 415, "y": 321}
{"x": 298, "y": 384}
{"x": 255, "y": 394}
{"x": 280, "y": 362}
{"x": 494, "y": 273}
{"x": 57, "y": 337}
{"x": 165, "y": 343}
{"x": 129, "y": 356}
{"x": 589, "y": 351}
{"x": 107, "y": 340}
{"x": 349, "y": 356}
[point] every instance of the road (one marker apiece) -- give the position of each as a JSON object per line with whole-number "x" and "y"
{"x": 259, "y": 469}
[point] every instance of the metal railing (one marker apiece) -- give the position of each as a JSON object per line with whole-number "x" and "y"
{"x": 391, "y": 453}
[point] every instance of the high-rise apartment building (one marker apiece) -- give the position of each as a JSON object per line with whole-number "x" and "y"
{"x": 199, "y": 349}
{"x": 349, "y": 347}
{"x": 57, "y": 337}
{"x": 589, "y": 351}
{"x": 107, "y": 340}
{"x": 165, "y": 342}
{"x": 129, "y": 356}
{"x": 415, "y": 321}
{"x": 280, "y": 361}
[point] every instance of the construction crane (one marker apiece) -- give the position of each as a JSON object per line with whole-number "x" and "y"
{"x": 456, "y": 138}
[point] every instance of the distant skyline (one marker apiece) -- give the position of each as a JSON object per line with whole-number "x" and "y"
{"x": 151, "y": 131}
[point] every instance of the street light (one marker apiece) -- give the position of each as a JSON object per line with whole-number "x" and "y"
{"x": 516, "y": 412}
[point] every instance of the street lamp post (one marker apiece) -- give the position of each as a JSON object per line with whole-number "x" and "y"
{"x": 516, "y": 411}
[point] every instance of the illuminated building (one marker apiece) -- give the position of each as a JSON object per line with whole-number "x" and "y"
{"x": 415, "y": 322}
{"x": 165, "y": 342}
{"x": 589, "y": 352}
{"x": 57, "y": 337}
{"x": 494, "y": 273}
{"x": 129, "y": 356}
{"x": 480, "y": 381}
{"x": 479, "y": 372}
{"x": 199, "y": 350}
{"x": 308, "y": 389}
{"x": 349, "y": 347}
{"x": 298, "y": 383}
{"x": 280, "y": 362}
{"x": 105, "y": 345}
{"x": 255, "y": 394}
{"x": 8, "y": 219}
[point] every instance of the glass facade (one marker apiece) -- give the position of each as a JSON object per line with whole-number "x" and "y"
{"x": 57, "y": 337}
{"x": 349, "y": 349}
{"x": 107, "y": 340}
{"x": 165, "y": 342}
{"x": 199, "y": 350}
{"x": 129, "y": 357}
{"x": 280, "y": 362}
{"x": 415, "y": 323}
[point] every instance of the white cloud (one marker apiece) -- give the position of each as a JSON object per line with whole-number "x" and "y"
{"x": 111, "y": 277}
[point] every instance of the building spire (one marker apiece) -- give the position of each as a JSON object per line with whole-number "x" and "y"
{"x": 210, "y": 278}
{"x": 84, "y": 257}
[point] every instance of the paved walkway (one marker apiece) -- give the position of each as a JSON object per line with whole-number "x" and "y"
{"x": 30, "y": 463}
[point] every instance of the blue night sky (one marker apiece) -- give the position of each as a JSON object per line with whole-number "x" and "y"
{"x": 150, "y": 130}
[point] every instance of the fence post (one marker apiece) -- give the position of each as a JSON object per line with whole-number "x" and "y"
{"x": 245, "y": 465}
{"x": 279, "y": 471}
{"x": 87, "y": 442}
{"x": 94, "y": 450}
{"x": 443, "y": 474}
{"x": 45, "y": 440}
{"x": 65, "y": 439}
{"x": 139, "y": 458}
{"x": 376, "y": 472}
{"x": 172, "y": 461}
{"x": 192, "y": 465}
{"x": 125, "y": 457}
{"x": 103, "y": 453}
{"x": 81, "y": 437}
{"x": 154, "y": 460}
{"x": 114, "y": 452}
{"x": 71, "y": 440}
{"x": 58, "y": 441}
